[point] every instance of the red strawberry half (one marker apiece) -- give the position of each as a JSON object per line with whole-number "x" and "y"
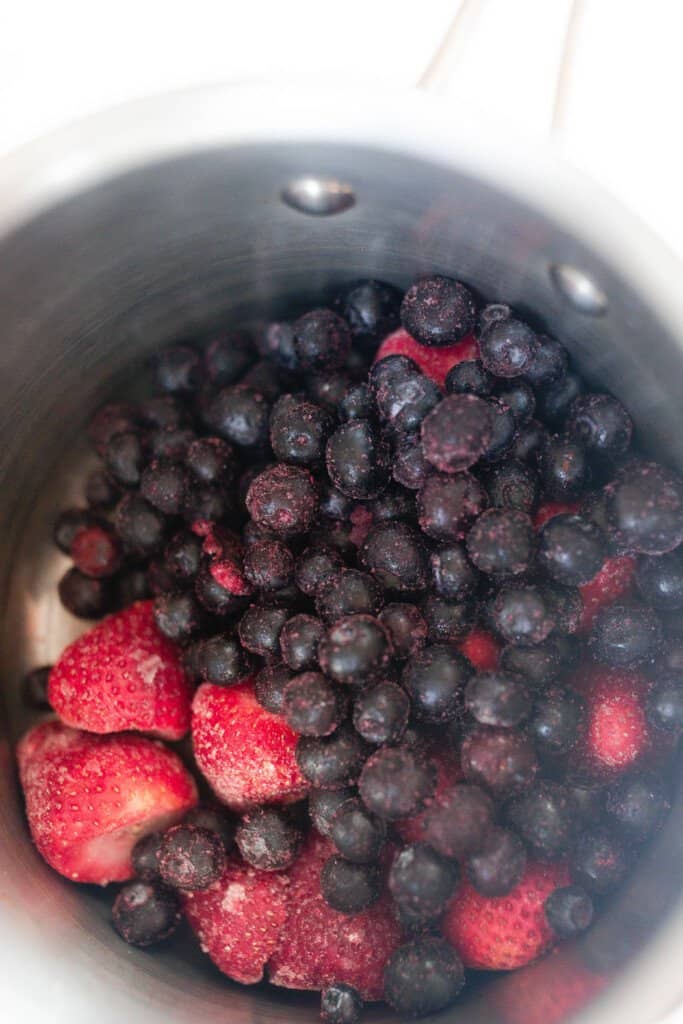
{"x": 617, "y": 733}
{"x": 434, "y": 362}
{"x": 245, "y": 752}
{"x": 90, "y": 798}
{"x": 504, "y": 932}
{"x": 123, "y": 674}
{"x": 238, "y": 920}
{"x": 481, "y": 649}
{"x": 614, "y": 580}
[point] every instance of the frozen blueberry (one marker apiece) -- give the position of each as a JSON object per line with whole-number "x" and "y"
{"x": 372, "y": 310}
{"x": 566, "y": 605}
{"x": 112, "y": 418}
{"x": 626, "y": 634}
{"x": 216, "y": 819}
{"x": 569, "y": 911}
{"x": 601, "y": 424}
{"x": 447, "y": 621}
{"x": 404, "y": 403}
{"x": 452, "y": 574}
{"x": 457, "y": 823}
{"x": 347, "y": 592}
{"x": 637, "y": 805}
{"x": 259, "y": 629}
{"x": 177, "y": 615}
{"x": 660, "y": 580}
{"x": 268, "y": 565}
{"x": 549, "y": 362}
{"x": 537, "y": 665}
{"x": 406, "y": 627}
{"x": 557, "y": 720}
{"x": 331, "y": 762}
{"x": 327, "y": 389}
{"x": 178, "y": 369}
{"x": 299, "y": 641}
{"x": 34, "y": 688}
{"x": 276, "y": 342}
{"x": 422, "y": 881}
{"x": 503, "y": 760}
{"x": 497, "y": 867}
{"x": 145, "y": 913}
{"x": 396, "y": 782}
{"x": 395, "y": 503}
{"x": 239, "y": 415}
{"x": 316, "y": 566}
{"x": 334, "y": 504}
{"x": 519, "y": 398}
{"x": 213, "y": 596}
{"x": 438, "y": 311}
{"x": 140, "y": 527}
{"x": 507, "y": 347}
{"x": 457, "y": 432}
{"x": 528, "y": 443}
{"x": 84, "y": 596}
{"x": 283, "y": 499}
{"x": 395, "y": 556}
{"x": 228, "y": 357}
{"x": 358, "y": 460}
{"x": 322, "y": 340}
{"x": 357, "y": 404}
{"x": 100, "y": 490}
{"x": 298, "y": 430}
{"x": 312, "y": 705}
{"x": 183, "y": 555}
{"x": 270, "y": 686}
{"x": 423, "y": 977}
{"x": 221, "y": 660}
{"x": 502, "y": 542}
{"x": 190, "y": 858}
{"x": 145, "y": 856}
{"x": 391, "y": 368}
{"x": 323, "y": 804}
{"x": 503, "y": 429}
{"x": 435, "y": 679}
{"x": 553, "y": 401}
{"x": 571, "y": 549}
{"x": 380, "y": 713}
{"x": 348, "y": 887}
{"x": 522, "y": 614}
{"x": 164, "y": 484}
{"x": 410, "y": 468}
{"x": 355, "y": 649}
{"x": 170, "y": 443}
{"x": 512, "y": 484}
{"x": 599, "y": 862}
{"x": 544, "y": 818}
{"x": 358, "y": 835}
{"x": 267, "y": 839}
{"x": 497, "y": 698}
{"x": 665, "y": 705}
{"x": 469, "y": 378}
{"x": 564, "y": 469}
{"x": 211, "y": 460}
{"x": 124, "y": 458}
{"x": 340, "y": 1004}
{"x": 645, "y": 508}
{"x": 448, "y": 504}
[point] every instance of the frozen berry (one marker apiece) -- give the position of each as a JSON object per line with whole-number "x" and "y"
{"x": 569, "y": 911}
{"x": 626, "y": 634}
{"x": 554, "y": 400}
{"x": 190, "y": 858}
{"x": 323, "y": 804}
{"x": 145, "y": 913}
{"x": 447, "y": 620}
{"x": 380, "y": 713}
{"x": 313, "y": 706}
{"x": 331, "y": 762}
{"x": 267, "y": 839}
{"x": 358, "y": 460}
{"x": 298, "y": 430}
{"x": 276, "y": 343}
{"x": 170, "y": 443}
{"x": 409, "y": 467}
{"x": 511, "y": 484}
{"x": 178, "y": 369}
{"x": 660, "y": 580}
{"x": 85, "y": 597}
{"x": 421, "y": 881}
{"x": 566, "y": 605}
{"x": 357, "y": 834}
{"x": 216, "y": 598}
{"x": 528, "y": 443}
{"x": 507, "y": 347}
{"x": 571, "y": 549}
{"x": 327, "y": 389}
{"x": 396, "y": 782}
{"x": 183, "y": 555}
{"x": 537, "y": 665}
{"x": 100, "y": 491}
{"x": 322, "y": 340}
{"x": 165, "y": 484}
{"x": 522, "y": 615}
{"x": 227, "y": 357}
{"x": 316, "y": 565}
{"x": 348, "y": 887}
{"x": 394, "y": 503}
{"x": 347, "y": 592}
{"x": 665, "y": 705}
{"x": 259, "y": 629}
{"x": 216, "y": 819}
{"x": 393, "y": 553}
{"x": 221, "y": 660}
{"x": 268, "y": 564}
{"x": 518, "y": 397}
{"x": 371, "y": 308}
{"x": 177, "y": 615}
{"x": 423, "y": 977}
{"x": 112, "y": 418}
{"x": 544, "y": 818}
{"x": 453, "y": 575}
{"x": 355, "y": 649}
{"x": 340, "y": 1004}
{"x": 557, "y": 721}
{"x": 457, "y": 432}
{"x": 498, "y": 866}
{"x": 283, "y": 499}
{"x": 34, "y": 688}
{"x": 497, "y": 698}
{"x": 601, "y": 424}
{"x": 457, "y": 821}
{"x": 140, "y": 527}
{"x": 448, "y": 504}
{"x": 438, "y": 311}
{"x": 211, "y": 460}
{"x": 503, "y": 760}
{"x": 645, "y": 509}
{"x": 638, "y": 805}
{"x": 299, "y": 641}
{"x": 357, "y": 404}
{"x": 501, "y": 542}
{"x": 564, "y": 469}
{"x": 435, "y": 679}
{"x": 406, "y": 627}
{"x": 270, "y": 686}
{"x": 124, "y": 458}
{"x": 549, "y": 362}
{"x": 240, "y": 415}
{"x": 404, "y": 403}
{"x": 96, "y": 551}
{"x": 469, "y": 378}
{"x": 502, "y": 432}
{"x": 599, "y": 862}
{"x": 491, "y": 313}
{"x": 145, "y": 856}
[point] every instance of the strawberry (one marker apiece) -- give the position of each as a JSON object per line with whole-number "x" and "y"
{"x": 613, "y": 581}
{"x": 245, "y": 752}
{"x": 318, "y": 945}
{"x": 481, "y": 649}
{"x": 617, "y": 733}
{"x": 238, "y": 919}
{"x": 434, "y": 362}
{"x": 550, "y": 509}
{"x": 547, "y": 992}
{"x": 448, "y": 772}
{"x": 503, "y": 932}
{"x": 90, "y": 798}
{"x": 123, "y": 674}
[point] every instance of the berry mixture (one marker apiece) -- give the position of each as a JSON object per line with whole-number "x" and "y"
{"x": 400, "y": 583}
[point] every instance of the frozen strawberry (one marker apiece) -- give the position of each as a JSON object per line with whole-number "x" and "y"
{"x": 245, "y": 752}
{"x": 503, "y": 932}
{"x": 238, "y": 919}
{"x": 617, "y": 732}
{"x": 434, "y": 362}
{"x": 481, "y": 649}
{"x": 550, "y": 509}
{"x": 90, "y": 798}
{"x": 448, "y": 772}
{"x": 548, "y": 992}
{"x": 613, "y": 581}
{"x": 226, "y": 558}
{"x": 319, "y": 945}
{"x": 123, "y": 674}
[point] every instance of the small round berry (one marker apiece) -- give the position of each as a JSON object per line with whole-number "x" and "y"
{"x": 422, "y": 881}
{"x": 259, "y": 629}
{"x": 132, "y": 587}
{"x": 447, "y": 621}
{"x": 549, "y": 362}
{"x": 497, "y": 698}
{"x": 313, "y": 706}
{"x": 145, "y": 913}
{"x": 145, "y": 856}
{"x": 69, "y": 523}
{"x": 283, "y": 499}
{"x": 213, "y": 596}
{"x": 438, "y": 311}
{"x": 221, "y": 660}
{"x": 518, "y": 397}
{"x": 348, "y": 592}
{"x": 372, "y": 310}
{"x": 211, "y": 460}
{"x": 503, "y": 760}
{"x": 268, "y": 564}
{"x": 178, "y": 369}
{"x": 96, "y": 551}
{"x": 327, "y": 389}
{"x": 177, "y": 615}
{"x": 380, "y": 713}
{"x": 645, "y": 509}
{"x": 340, "y": 1004}
{"x": 34, "y": 688}
{"x": 528, "y": 443}
{"x": 100, "y": 491}
{"x": 566, "y": 606}
{"x": 331, "y": 762}
{"x": 502, "y": 542}
{"x": 170, "y": 443}
{"x": 164, "y": 485}
{"x": 216, "y": 819}
{"x": 564, "y": 469}
{"x": 334, "y": 504}
{"x": 357, "y": 834}
{"x": 315, "y": 566}
{"x": 512, "y": 484}
{"x": 348, "y": 887}
{"x": 435, "y": 679}
{"x": 394, "y": 555}
{"x": 396, "y": 782}
{"x": 228, "y": 357}
{"x": 544, "y": 818}
{"x": 358, "y": 460}
{"x": 390, "y": 369}
{"x": 457, "y": 823}
{"x": 522, "y": 615}
{"x": 357, "y": 404}
{"x": 208, "y": 504}
{"x": 190, "y": 858}
{"x": 240, "y": 415}
{"x": 404, "y": 403}
{"x": 469, "y": 378}
{"x": 457, "y": 432}
{"x": 124, "y": 458}
{"x": 406, "y": 627}
{"x": 267, "y": 839}
{"x": 453, "y": 575}
{"x": 569, "y": 911}
{"x": 269, "y": 687}
{"x": 665, "y": 705}
{"x": 660, "y": 580}
{"x": 503, "y": 430}
{"x": 557, "y": 720}
{"x": 276, "y": 343}
{"x": 601, "y": 424}
{"x": 322, "y": 340}
{"x": 491, "y": 313}
{"x": 599, "y": 862}
{"x": 355, "y": 649}
{"x": 448, "y": 504}
{"x": 112, "y": 418}
{"x": 85, "y": 597}
{"x": 571, "y": 549}
{"x": 159, "y": 578}
{"x": 323, "y": 804}
{"x": 183, "y": 555}
{"x": 409, "y": 467}
{"x": 507, "y": 347}
{"x": 395, "y": 503}
{"x": 299, "y": 639}
{"x": 140, "y": 527}
{"x": 497, "y": 867}
{"x": 638, "y": 805}
{"x": 537, "y": 665}
{"x": 626, "y": 634}
{"x": 298, "y": 430}
{"x": 423, "y": 977}
{"x": 554, "y": 400}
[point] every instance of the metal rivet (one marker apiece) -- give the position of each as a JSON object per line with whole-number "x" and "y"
{"x": 579, "y": 289}
{"x": 317, "y": 195}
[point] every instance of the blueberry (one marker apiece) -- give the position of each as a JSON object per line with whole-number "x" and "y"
{"x": 564, "y": 469}
{"x": 178, "y": 369}
{"x": 322, "y": 340}
{"x": 216, "y": 598}
{"x": 210, "y": 504}
{"x": 537, "y": 665}
{"x": 140, "y": 527}
{"x": 626, "y": 634}
{"x": 438, "y": 311}
{"x": 312, "y": 705}
{"x": 112, "y": 418}
{"x": 512, "y": 484}
{"x": 498, "y": 866}
{"x": 145, "y": 856}
{"x": 422, "y": 881}
{"x": 354, "y": 649}
{"x": 571, "y": 549}
{"x": 358, "y": 403}
{"x": 522, "y": 615}
{"x": 85, "y": 597}
{"x": 348, "y": 887}
{"x": 569, "y": 911}
{"x": 502, "y": 542}
{"x": 145, "y": 913}
{"x": 357, "y": 834}
{"x": 190, "y": 858}
{"x": 380, "y": 713}
{"x": 665, "y": 705}
{"x": 554, "y": 400}
{"x": 348, "y": 592}
{"x": 406, "y": 627}
{"x": 124, "y": 458}
{"x": 469, "y": 378}
{"x": 268, "y": 565}
{"x": 497, "y": 698}
{"x": 435, "y": 679}
{"x": 545, "y": 819}
{"x": 216, "y": 819}
{"x": 601, "y": 424}
{"x": 638, "y": 805}
{"x": 69, "y": 523}
{"x": 410, "y": 468}
{"x": 549, "y": 362}
{"x": 283, "y": 499}
{"x": 164, "y": 484}
{"x": 457, "y": 824}
{"x": 452, "y": 574}
{"x": 34, "y": 688}
{"x": 228, "y": 357}
{"x": 276, "y": 343}
{"x": 323, "y": 804}
{"x": 518, "y": 397}
{"x": 239, "y": 415}
{"x": 660, "y": 580}
{"x": 177, "y": 615}
{"x": 358, "y": 460}
{"x": 507, "y": 347}
{"x": 331, "y": 762}
{"x": 170, "y": 443}
{"x": 267, "y": 839}
{"x": 503, "y": 428}
{"x": 183, "y": 554}
{"x": 557, "y": 720}
{"x": 396, "y": 782}
{"x": 394, "y": 503}
{"x": 327, "y": 389}
{"x": 503, "y": 760}
{"x": 316, "y": 566}
{"x": 270, "y": 686}
{"x": 390, "y": 369}
{"x": 299, "y": 641}
{"x": 395, "y": 556}
{"x": 340, "y": 1004}
{"x": 599, "y": 862}
{"x": 448, "y": 504}
{"x": 423, "y": 977}
{"x": 298, "y": 430}
{"x": 211, "y": 460}
{"x": 529, "y": 442}
{"x": 457, "y": 432}
{"x": 404, "y": 403}
{"x": 447, "y": 621}
{"x": 100, "y": 490}
{"x": 566, "y": 606}
{"x": 259, "y": 629}
{"x": 372, "y": 310}
{"x": 645, "y": 509}
{"x": 221, "y": 660}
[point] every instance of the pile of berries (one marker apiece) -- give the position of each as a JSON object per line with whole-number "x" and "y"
{"x": 403, "y": 581}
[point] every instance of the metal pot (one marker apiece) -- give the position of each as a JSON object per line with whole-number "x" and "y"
{"x": 164, "y": 218}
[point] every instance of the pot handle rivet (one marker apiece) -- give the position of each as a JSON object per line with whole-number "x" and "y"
{"x": 579, "y": 289}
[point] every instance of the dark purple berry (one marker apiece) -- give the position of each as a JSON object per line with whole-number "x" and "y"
{"x": 395, "y": 503}
{"x": 665, "y": 704}
{"x": 183, "y": 555}
{"x": 528, "y": 443}
{"x": 100, "y": 491}
{"x": 227, "y": 358}
{"x": 190, "y": 858}
{"x": 457, "y": 823}
{"x": 145, "y": 856}
{"x": 423, "y": 977}
{"x": 96, "y": 551}
{"x": 395, "y": 556}
{"x": 569, "y": 911}
{"x": 178, "y": 369}
{"x": 557, "y": 720}
{"x": 571, "y": 549}
{"x": 213, "y": 596}
{"x": 334, "y": 504}
{"x": 216, "y": 819}
{"x": 112, "y": 418}
{"x": 314, "y": 567}
{"x": 265, "y": 378}
{"x": 270, "y": 687}
{"x": 457, "y": 432}
{"x": 518, "y": 397}
{"x": 165, "y": 484}
{"x": 177, "y": 615}
{"x": 637, "y": 805}
{"x": 322, "y": 340}
{"x": 435, "y": 679}
{"x": 554, "y": 400}
{"x": 491, "y": 313}
{"x": 447, "y": 621}
{"x": 340, "y": 1004}
{"x": 536, "y": 665}
{"x": 544, "y": 817}
{"x": 512, "y": 484}
{"x": 124, "y": 458}
{"x": 404, "y": 403}
{"x": 331, "y": 762}
{"x": 312, "y": 705}
{"x": 497, "y": 698}
{"x": 357, "y": 834}
{"x": 626, "y": 634}
{"x": 372, "y": 310}
{"x": 162, "y": 411}
{"x": 422, "y": 881}
{"x": 323, "y": 804}
{"x": 299, "y": 641}
{"x": 267, "y": 839}
{"x": 283, "y": 499}
{"x": 268, "y": 565}
{"x": 498, "y": 866}
{"x": 358, "y": 460}
{"x": 348, "y": 887}
{"x": 601, "y": 424}
{"x": 298, "y": 430}
{"x": 548, "y": 363}
{"x": 239, "y": 415}
{"x": 85, "y": 597}
{"x": 221, "y": 660}
{"x": 599, "y": 862}
{"x": 453, "y": 575}
{"x": 503, "y": 760}
{"x": 140, "y": 527}
{"x": 348, "y": 592}
{"x": 69, "y": 523}
{"x": 396, "y": 782}
{"x": 380, "y": 713}
{"x": 564, "y": 469}
{"x": 170, "y": 443}
{"x": 660, "y": 580}
{"x": 502, "y": 542}
{"x": 507, "y": 347}
{"x": 645, "y": 509}
{"x": 276, "y": 343}
{"x": 357, "y": 404}
{"x": 354, "y": 649}
{"x": 469, "y": 378}
{"x": 211, "y": 461}
{"x": 566, "y": 606}
{"x": 133, "y": 586}
{"x": 448, "y": 504}
{"x": 145, "y": 913}
{"x": 209, "y": 504}
{"x": 327, "y": 389}
{"x": 259, "y": 629}
{"x": 390, "y": 369}
{"x": 34, "y": 688}
{"x": 409, "y": 467}
{"x": 503, "y": 430}
{"x": 438, "y": 311}
{"x": 406, "y": 627}
{"x": 522, "y": 615}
